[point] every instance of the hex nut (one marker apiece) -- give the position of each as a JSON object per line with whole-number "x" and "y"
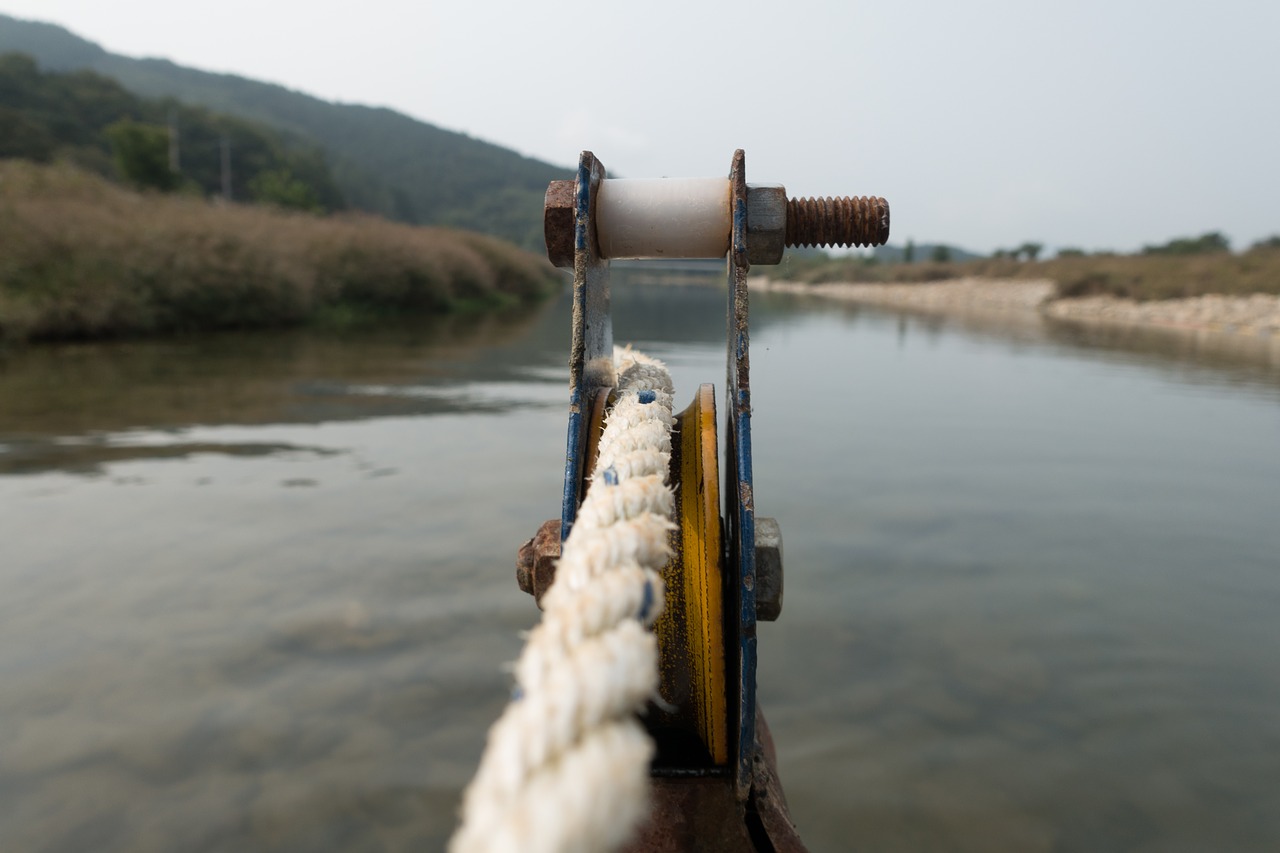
{"x": 536, "y": 560}
{"x": 524, "y": 567}
{"x": 766, "y": 223}
{"x": 768, "y": 569}
{"x": 558, "y": 222}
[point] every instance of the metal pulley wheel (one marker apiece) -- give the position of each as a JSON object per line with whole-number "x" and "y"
{"x": 715, "y": 786}
{"x": 693, "y": 729}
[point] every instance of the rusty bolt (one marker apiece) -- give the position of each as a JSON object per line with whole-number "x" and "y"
{"x": 768, "y": 569}
{"x": 536, "y": 560}
{"x": 845, "y": 221}
{"x": 773, "y": 222}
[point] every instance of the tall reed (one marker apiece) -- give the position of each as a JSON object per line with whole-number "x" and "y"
{"x": 83, "y": 258}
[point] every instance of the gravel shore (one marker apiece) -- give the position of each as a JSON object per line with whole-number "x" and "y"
{"x": 1257, "y": 315}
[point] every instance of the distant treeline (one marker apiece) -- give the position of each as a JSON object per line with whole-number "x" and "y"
{"x": 1210, "y": 243}
{"x": 95, "y": 123}
{"x": 81, "y": 257}
{"x": 382, "y": 161}
{"x": 1213, "y": 242}
{"x": 1185, "y": 266}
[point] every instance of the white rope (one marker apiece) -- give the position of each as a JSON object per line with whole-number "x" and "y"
{"x": 566, "y": 766}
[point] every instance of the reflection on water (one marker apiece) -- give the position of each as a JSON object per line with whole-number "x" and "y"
{"x": 1205, "y": 355}
{"x": 115, "y": 399}
{"x": 1035, "y": 573}
{"x": 257, "y": 590}
{"x": 1216, "y": 357}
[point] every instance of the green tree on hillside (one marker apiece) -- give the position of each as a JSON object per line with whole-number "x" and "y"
{"x": 281, "y": 188}
{"x": 142, "y": 155}
{"x": 940, "y": 254}
{"x": 23, "y": 139}
{"x": 93, "y": 122}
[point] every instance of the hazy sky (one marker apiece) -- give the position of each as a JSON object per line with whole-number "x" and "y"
{"x": 986, "y": 124}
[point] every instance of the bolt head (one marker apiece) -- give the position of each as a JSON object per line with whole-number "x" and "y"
{"x": 558, "y": 222}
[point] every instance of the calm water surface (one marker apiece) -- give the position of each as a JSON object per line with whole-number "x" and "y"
{"x": 256, "y": 592}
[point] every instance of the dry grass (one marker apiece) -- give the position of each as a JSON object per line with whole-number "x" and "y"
{"x": 1147, "y": 277}
{"x": 82, "y": 258}
{"x": 1139, "y": 277}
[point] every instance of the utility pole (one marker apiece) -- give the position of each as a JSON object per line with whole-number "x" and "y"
{"x": 226, "y": 168}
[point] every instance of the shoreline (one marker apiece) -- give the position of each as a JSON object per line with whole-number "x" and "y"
{"x": 1254, "y": 316}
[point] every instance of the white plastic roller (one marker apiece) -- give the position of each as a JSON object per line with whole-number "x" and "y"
{"x": 664, "y": 218}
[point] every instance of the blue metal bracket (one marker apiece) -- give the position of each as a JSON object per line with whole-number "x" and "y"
{"x": 591, "y": 350}
{"x": 739, "y": 495}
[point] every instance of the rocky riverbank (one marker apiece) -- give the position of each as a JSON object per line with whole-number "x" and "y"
{"x": 1255, "y": 315}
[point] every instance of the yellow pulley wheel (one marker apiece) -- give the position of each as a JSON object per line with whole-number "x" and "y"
{"x": 694, "y": 728}
{"x": 691, "y": 630}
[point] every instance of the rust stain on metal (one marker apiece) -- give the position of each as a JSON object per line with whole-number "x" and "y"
{"x": 700, "y": 814}
{"x": 704, "y": 813}
{"x": 740, "y": 514}
{"x": 536, "y": 560}
{"x": 558, "y": 222}
{"x": 768, "y": 803}
{"x": 524, "y": 566}
{"x": 845, "y": 221}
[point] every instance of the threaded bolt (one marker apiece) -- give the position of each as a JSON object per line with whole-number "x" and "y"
{"x": 845, "y": 221}
{"x": 773, "y": 222}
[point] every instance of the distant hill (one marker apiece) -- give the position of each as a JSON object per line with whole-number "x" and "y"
{"x": 382, "y": 161}
{"x": 95, "y": 123}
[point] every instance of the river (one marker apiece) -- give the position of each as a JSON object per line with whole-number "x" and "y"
{"x": 256, "y": 591}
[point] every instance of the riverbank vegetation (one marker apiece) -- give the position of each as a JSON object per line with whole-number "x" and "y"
{"x": 84, "y": 258}
{"x": 1184, "y": 267}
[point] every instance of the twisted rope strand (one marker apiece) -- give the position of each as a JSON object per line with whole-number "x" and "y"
{"x": 566, "y": 766}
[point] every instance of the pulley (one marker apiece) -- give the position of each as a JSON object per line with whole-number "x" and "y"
{"x": 716, "y": 787}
